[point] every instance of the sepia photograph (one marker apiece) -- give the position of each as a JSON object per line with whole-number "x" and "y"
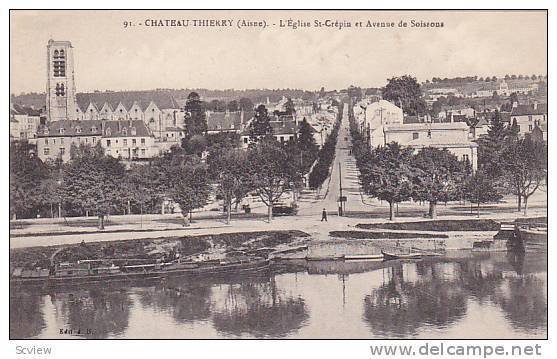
{"x": 278, "y": 174}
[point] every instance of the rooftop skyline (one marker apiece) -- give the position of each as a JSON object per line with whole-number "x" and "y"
{"x": 110, "y": 57}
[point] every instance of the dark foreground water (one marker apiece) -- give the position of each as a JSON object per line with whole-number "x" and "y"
{"x": 464, "y": 296}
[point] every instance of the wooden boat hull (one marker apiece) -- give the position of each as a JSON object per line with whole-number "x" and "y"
{"x": 362, "y": 257}
{"x": 155, "y": 274}
{"x": 534, "y": 241}
{"x": 324, "y": 258}
{"x": 392, "y": 256}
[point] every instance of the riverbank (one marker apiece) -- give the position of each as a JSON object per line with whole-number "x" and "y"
{"x": 207, "y": 247}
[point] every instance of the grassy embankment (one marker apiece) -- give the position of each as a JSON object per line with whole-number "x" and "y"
{"x": 150, "y": 249}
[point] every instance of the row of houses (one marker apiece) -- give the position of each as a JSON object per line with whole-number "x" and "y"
{"x": 383, "y": 122}
{"x": 478, "y": 89}
{"x": 528, "y": 119}
{"x": 24, "y": 122}
{"x": 129, "y": 140}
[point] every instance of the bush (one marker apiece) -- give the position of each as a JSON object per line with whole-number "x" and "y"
{"x": 383, "y": 235}
{"x": 438, "y": 225}
{"x": 325, "y": 157}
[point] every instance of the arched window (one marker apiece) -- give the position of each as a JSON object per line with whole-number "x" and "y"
{"x": 56, "y": 54}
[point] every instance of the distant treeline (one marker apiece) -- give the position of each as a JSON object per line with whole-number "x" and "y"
{"x": 38, "y": 100}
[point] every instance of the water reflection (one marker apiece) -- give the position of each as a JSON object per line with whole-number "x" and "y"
{"x": 26, "y": 317}
{"x": 260, "y": 310}
{"x": 95, "y": 313}
{"x": 441, "y": 297}
{"x": 524, "y": 300}
{"x": 186, "y": 304}
{"x": 399, "y": 307}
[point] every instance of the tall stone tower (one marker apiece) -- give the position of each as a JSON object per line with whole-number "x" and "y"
{"x": 61, "y": 103}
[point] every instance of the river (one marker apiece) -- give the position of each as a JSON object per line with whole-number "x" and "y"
{"x": 465, "y": 295}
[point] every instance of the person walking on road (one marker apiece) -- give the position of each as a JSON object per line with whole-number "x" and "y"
{"x": 324, "y": 215}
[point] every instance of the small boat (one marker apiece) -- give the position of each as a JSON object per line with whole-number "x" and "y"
{"x": 324, "y": 258}
{"x": 391, "y": 256}
{"x": 534, "y": 238}
{"x": 357, "y": 257}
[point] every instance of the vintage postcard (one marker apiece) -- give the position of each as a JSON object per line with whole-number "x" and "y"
{"x": 278, "y": 174}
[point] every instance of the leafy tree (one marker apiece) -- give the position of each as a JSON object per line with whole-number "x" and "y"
{"x": 190, "y": 188}
{"x": 388, "y": 175}
{"x": 246, "y": 104}
{"x": 146, "y": 185}
{"x": 271, "y": 172}
{"x": 222, "y": 139}
{"x": 196, "y": 123}
{"x": 195, "y": 145}
{"x": 233, "y": 106}
{"x": 217, "y": 106}
{"x": 229, "y": 168}
{"x": 406, "y": 93}
{"x": 50, "y": 193}
{"x": 491, "y": 146}
{"x": 289, "y": 108}
{"x": 27, "y": 172}
{"x": 306, "y": 141}
{"x": 325, "y": 157}
{"x": 525, "y": 167}
{"x": 437, "y": 177}
{"x": 480, "y": 188}
{"x": 92, "y": 181}
{"x": 355, "y": 93}
{"x": 260, "y": 126}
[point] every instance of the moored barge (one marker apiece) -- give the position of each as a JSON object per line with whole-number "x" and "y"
{"x": 94, "y": 271}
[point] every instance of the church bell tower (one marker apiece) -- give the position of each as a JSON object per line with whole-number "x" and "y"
{"x": 60, "y": 86}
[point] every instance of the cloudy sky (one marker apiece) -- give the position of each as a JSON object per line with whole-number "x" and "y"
{"x": 109, "y": 56}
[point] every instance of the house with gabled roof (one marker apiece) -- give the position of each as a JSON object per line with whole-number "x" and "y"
{"x": 452, "y": 136}
{"x": 527, "y": 116}
{"x": 24, "y": 122}
{"x": 129, "y": 140}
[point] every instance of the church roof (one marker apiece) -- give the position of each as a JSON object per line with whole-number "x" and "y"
{"x": 162, "y": 99}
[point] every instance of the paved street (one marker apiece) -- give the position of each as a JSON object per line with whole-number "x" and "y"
{"x": 360, "y": 209}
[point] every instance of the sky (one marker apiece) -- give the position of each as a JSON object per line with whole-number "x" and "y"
{"x": 109, "y": 56}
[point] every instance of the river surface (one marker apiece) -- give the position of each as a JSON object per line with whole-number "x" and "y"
{"x": 465, "y": 295}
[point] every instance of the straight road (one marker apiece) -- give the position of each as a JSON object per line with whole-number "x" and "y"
{"x": 344, "y": 172}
